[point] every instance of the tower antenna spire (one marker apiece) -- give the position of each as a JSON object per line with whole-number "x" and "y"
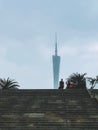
{"x": 56, "y": 65}
{"x": 56, "y": 51}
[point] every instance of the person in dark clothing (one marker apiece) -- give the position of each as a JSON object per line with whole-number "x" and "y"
{"x": 61, "y": 84}
{"x": 67, "y": 83}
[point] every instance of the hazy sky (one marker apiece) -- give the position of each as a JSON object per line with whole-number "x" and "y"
{"x": 27, "y": 37}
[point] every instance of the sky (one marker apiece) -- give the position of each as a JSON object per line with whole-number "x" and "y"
{"x": 27, "y": 39}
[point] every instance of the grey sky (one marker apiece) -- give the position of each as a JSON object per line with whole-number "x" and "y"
{"x": 27, "y": 30}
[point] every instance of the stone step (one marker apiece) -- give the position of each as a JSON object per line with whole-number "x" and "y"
{"x": 48, "y": 110}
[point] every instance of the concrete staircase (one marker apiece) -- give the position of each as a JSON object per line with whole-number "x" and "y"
{"x": 70, "y": 109}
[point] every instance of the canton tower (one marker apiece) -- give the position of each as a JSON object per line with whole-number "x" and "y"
{"x": 56, "y": 66}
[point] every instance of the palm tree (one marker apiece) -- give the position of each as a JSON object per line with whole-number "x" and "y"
{"x": 8, "y": 84}
{"x": 78, "y": 80}
{"x": 93, "y": 81}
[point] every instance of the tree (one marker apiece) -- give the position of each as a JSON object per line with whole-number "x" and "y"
{"x": 93, "y": 81}
{"x": 77, "y": 80}
{"x": 8, "y": 84}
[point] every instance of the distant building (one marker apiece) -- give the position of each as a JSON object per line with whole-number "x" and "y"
{"x": 56, "y": 67}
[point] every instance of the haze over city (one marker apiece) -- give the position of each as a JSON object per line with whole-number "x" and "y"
{"x": 27, "y": 40}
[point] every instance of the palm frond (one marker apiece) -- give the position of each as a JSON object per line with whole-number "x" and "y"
{"x": 78, "y": 79}
{"x": 8, "y": 83}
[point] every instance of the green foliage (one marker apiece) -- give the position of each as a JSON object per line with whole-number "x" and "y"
{"x": 8, "y": 84}
{"x": 93, "y": 81}
{"x": 78, "y": 80}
